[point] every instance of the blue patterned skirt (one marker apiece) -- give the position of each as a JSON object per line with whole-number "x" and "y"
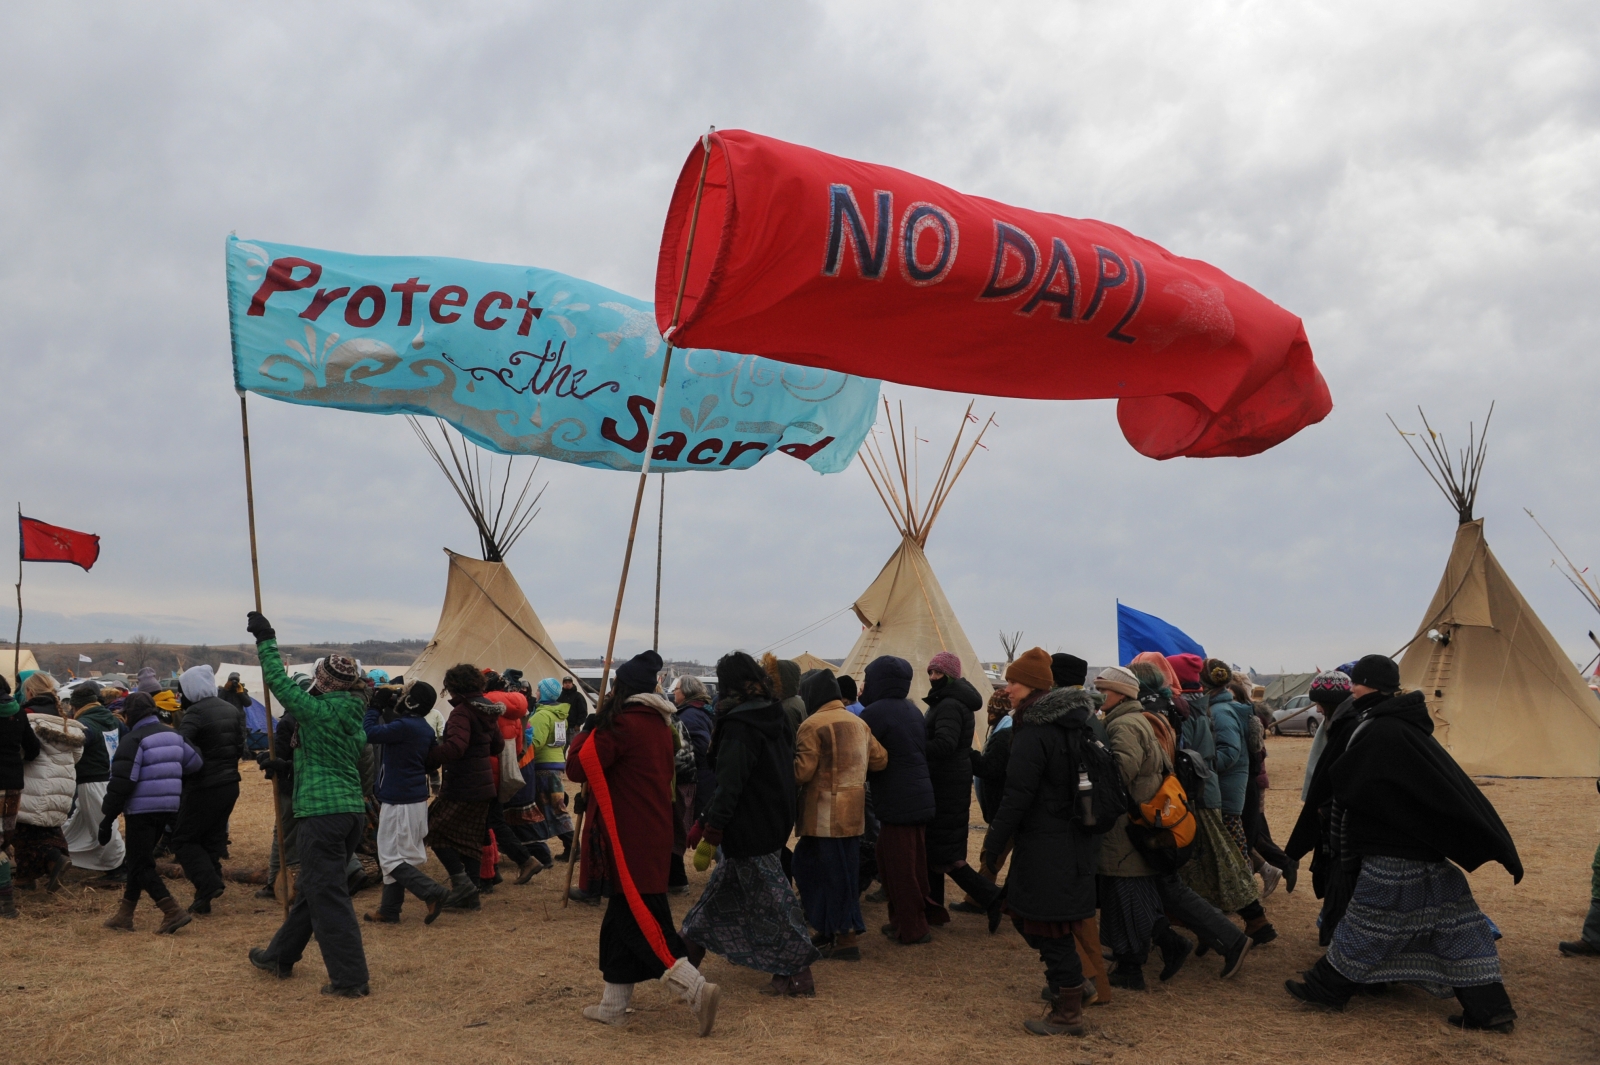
{"x": 749, "y": 915}
{"x": 1416, "y": 923}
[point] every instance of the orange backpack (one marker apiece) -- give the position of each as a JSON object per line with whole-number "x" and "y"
{"x": 1163, "y": 828}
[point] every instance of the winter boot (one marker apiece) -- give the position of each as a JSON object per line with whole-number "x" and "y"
{"x": 613, "y": 1007}
{"x": 202, "y": 901}
{"x": 173, "y": 916}
{"x": 388, "y": 911}
{"x": 122, "y": 920}
{"x": 8, "y": 906}
{"x": 1233, "y": 960}
{"x": 463, "y": 893}
{"x": 1129, "y": 974}
{"x": 1260, "y": 930}
{"x": 688, "y": 983}
{"x": 1271, "y": 875}
{"x": 842, "y": 947}
{"x": 529, "y": 869}
{"x": 801, "y": 984}
{"x": 57, "y": 868}
{"x": 1175, "y": 950}
{"x": 1065, "y": 1016}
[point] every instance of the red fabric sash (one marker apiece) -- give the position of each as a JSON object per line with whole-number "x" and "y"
{"x": 589, "y": 758}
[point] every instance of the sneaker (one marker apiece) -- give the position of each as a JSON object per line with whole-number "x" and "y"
{"x": 379, "y": 917}
{"x": 1271, "y": 875}
{"x": 355, "y": 991}
{"x": 1234, "y": 959}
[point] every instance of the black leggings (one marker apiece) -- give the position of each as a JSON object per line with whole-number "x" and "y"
{"x": 503, "y": 835}
{"x": 450, "y": 858}
{"x": 143, "y": 831}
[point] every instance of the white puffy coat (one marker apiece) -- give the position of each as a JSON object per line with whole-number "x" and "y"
{"x": 51, "y": 780}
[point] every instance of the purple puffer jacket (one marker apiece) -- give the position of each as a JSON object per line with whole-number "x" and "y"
{"x": 147, "y": 773}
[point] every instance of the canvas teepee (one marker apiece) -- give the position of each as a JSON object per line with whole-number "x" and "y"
{"x": 904, "y": 612}
{"x": 1504, "y": 697}
{"x": 486, "y": 620}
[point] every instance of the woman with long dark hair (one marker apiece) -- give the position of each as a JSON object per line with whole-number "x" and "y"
{"x": 749, "y": 914}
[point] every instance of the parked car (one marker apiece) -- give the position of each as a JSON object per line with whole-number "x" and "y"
{"x": 1299, "y": 716}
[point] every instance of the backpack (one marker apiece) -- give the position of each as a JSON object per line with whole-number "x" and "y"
{"x": 1191, "y": 770}
{"x": 1163, "y": 828}
{"x": 1109, "y": 796}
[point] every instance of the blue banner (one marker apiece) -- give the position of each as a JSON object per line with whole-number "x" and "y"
{"x": 1138, "y": 632}
{"x": 522, "y": 361}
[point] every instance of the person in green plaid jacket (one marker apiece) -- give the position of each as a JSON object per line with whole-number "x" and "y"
{"x": 330, "y": 812}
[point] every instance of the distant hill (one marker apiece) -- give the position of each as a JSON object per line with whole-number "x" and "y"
{"x": 62, "y": 659}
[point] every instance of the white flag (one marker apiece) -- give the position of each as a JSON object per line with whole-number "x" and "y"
{"x": 85, "y": 658}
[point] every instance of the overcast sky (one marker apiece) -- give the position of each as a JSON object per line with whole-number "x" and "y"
{"x": 1416, "y": 181}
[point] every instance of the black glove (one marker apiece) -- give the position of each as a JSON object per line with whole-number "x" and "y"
{"x": 579, "y": 801}
{"x": 259, "y": 627}
{"x": 107, "y": 823}
{"x": 275, "y": 767}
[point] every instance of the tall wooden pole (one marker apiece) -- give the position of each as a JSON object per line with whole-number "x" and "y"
{"x": 266, "y": 692}
{"x": 16, "y": 648}
{"x": 644, "y": 467}
{"x": 661, "y": 526}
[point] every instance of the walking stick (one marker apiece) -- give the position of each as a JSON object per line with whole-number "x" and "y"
{"x": 644, "y": 466}
{"x": 266, "y": 690}
{"x": 575, "y": 852}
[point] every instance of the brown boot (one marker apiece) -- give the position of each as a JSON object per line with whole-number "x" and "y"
{"x": 1064, "y": 1018}
{"x": 173, "y": 916}
{"x": 122, "y": 920}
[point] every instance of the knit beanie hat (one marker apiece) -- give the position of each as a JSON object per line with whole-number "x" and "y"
{"x": 339, "y": 673}
{"x": 946, "y": 663}
{"x": 1068, "y": 670}
{"x": 1119, "y": 680}
{"x": 1187, "y": 667}
{"x": 549, "y": 690}
{"x": 147, "y": 681}
{"x": 640, "y": 671}
{"x": 1032, "y": 668}
{"x": 1329, "y": 688}
{"x": 1164, "y": 665}
{"x": 847, "y": 688}
{"x": 84, "y": 694}
{"x": 1376, "y": 672}
{"x": 419, "y": 699}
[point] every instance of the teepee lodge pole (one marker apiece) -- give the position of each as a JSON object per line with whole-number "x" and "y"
{"x": 266, "y": 692}
{"x": 661, "y": 532}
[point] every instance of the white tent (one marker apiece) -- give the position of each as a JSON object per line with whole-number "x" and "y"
{"x": 904, "y": 611}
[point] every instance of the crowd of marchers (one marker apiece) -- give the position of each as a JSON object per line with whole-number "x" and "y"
{"x": 1126, "y": 833}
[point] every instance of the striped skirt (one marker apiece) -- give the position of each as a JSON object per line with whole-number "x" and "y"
{"x": 1417, "y": 923}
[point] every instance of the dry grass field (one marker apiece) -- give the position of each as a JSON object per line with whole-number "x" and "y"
{"x": 506, "y": 984}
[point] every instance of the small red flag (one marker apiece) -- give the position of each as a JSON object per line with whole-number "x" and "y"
{"x": 51, "y": 543}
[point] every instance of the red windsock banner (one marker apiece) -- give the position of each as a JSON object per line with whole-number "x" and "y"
{"x": 40, "y": 542}
{"x": 814, "y": 259}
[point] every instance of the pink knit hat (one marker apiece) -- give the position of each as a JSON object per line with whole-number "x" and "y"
{"x": 946, "y": 663}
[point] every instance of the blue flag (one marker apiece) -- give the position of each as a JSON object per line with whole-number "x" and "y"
{"x": 1138, "y": 632}
{"x": 523, "y": 361}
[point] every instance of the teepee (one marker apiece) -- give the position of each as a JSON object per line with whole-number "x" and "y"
{"x": 1504, "y": 697}
{"x": 904, "y": 612}
{"x": 486, "y": 619}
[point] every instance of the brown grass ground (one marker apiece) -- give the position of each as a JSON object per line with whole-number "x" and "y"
{"x": 506, "y": 984}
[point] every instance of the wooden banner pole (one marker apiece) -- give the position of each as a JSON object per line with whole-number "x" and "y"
{"x": 283, "y": 881}
{"x": 644, "y": 467}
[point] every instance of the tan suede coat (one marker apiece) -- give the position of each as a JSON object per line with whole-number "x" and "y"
{"x": 832, "y": 754}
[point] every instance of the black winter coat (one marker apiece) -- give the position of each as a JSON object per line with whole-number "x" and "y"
{"x": 752, "y": 753}
{"x": 215, "y": 728}
{"x": 950, "y": 723}
{"x": 902, "y": 792}
{"x": 469, "y": 752}
{"x": 18, "y": 744}
{"x": 1052, "y": 860}
{"x": 989, "y": 766}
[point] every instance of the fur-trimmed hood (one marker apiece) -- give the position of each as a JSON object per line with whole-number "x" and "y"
{"x": 1055, "y": 705}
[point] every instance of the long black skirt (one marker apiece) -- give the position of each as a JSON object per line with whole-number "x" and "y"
{"x": 625, "y": 955}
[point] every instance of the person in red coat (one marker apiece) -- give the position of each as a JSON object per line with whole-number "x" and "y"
{"x": 513, "y": 716}
{"x": 634, "y": 743}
